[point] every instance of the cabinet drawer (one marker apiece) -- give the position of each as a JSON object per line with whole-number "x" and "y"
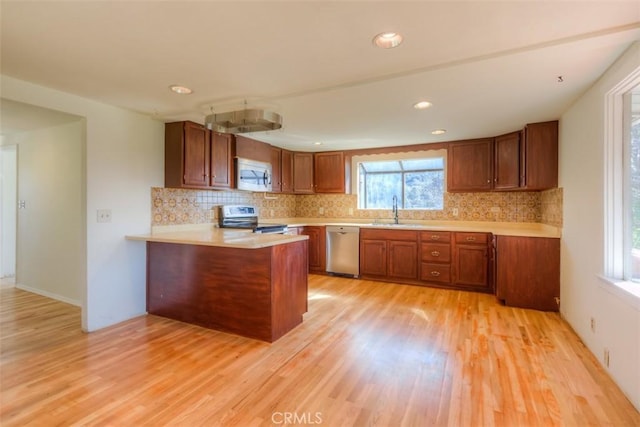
{"x": 435, "y": 272}
{"x": 368, "y": 233}
{"x": 436, "y": 252}
{"x": 472, "y": 238}
{"x": 435, "y": 236}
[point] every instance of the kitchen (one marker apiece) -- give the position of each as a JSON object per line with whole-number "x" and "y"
{"x": 119, "y": 178}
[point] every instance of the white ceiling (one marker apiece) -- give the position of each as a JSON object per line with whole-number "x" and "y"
{"x": 487, "y": 67}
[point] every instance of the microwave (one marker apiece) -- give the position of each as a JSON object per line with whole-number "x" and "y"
{"x": 252, "y": 175}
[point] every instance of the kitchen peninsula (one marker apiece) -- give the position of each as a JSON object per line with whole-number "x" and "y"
{"x": 254, "y": 285}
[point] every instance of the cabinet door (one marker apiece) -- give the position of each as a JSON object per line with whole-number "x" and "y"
{"x": 286, "y": 171}
{"x": 329, "y": 172}
{"x": 222, "y": 154}
{"x": 303, "y": 173}
{"x": 403, "y": 259}
{"x": 317, "y": 247}
{"x": 373, "y": 257}
{"x": 540, "y": 156}
{"x": 507, "y": 162}
{"x": 470, "y": 165}
{"x": 471, "y": 265}
{"x": 276, "y": 170}
{"x": 528, "y": 272}
{"x": 196, "y": 155}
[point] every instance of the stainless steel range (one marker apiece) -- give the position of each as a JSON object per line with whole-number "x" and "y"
{"x": 245, "y": 216}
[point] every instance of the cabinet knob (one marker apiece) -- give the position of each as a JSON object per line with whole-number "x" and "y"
{"x": 488, "y": 181}
{"x": 435, "y": 273}
{"x": 435, "y": 253}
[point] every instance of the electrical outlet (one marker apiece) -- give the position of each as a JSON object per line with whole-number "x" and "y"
{"x": 351, "y": 211}
{"x": 321, "y": 210}
{"x": 104, "y": 215}
{"x": 455, "y": 212}
{"x": 271, "y": 213}
{"x": 495, "y": 209}
{"x": 593, "y": 325}
{"x": 606, "y": 357}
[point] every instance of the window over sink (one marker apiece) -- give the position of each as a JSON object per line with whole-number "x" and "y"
{"x": 416, "y": 180}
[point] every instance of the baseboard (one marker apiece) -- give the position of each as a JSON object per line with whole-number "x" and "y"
{"x": 48, "y": 294}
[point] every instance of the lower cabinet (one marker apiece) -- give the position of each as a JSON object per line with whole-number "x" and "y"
{"x": 389, "y": 254}
{"x": 317, "y": 247}
{"x": 528, "y": 272}
{"x": 472, "y": 254}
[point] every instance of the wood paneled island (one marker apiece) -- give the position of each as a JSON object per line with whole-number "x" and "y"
{"x": 233, "y": 281}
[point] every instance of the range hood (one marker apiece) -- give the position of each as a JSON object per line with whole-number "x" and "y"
{"x": 244, "y": 121}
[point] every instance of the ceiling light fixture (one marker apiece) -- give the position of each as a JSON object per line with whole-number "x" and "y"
{"x": 182, "y": 90}
{"x": 387, "y": 40}
{"x": 422, "y": 105}
{"x": 438, "y": 131}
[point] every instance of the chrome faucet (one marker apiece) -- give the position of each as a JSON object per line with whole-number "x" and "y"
{"x": 395, "y": 209}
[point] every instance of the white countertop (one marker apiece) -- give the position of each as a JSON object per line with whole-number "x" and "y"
{"x": 208, "y": 235}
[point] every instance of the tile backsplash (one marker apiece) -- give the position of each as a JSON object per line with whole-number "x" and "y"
{"x": 172, "y": 206}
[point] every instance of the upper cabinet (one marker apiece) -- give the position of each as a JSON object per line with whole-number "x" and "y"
{"x": 193, "y": 160}
{"x": 276, "y": 170}
{"x": 329, "y": 172}
{"x": 303, "y": 173}
{"x": 470, "y": 165}
{"x": 506, "y": 169}
{"x": 539, "y": 156}
{"x": 286, "y": 171}
{"x": 526, "y": 160}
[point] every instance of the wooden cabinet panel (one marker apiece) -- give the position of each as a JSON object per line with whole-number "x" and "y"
{"x": 472, "y": 261}
{"x": 440, "y": 273}
{"x": 373, "y": 257}
{"x": 317, "y": 247}
{"x": 528, "y": 272}
{"x": 436, "y": 252}
{"x": 276, "y": 170}
{"x": 222, "y": 154}
{"x": 506, "y": 167}
{"x": 303, "y": 173}
{"x": 329, "y": 172}
{"x": 540, "y": 156}
{"x": 470, "y": 165}
{"x": 403, "y": 259}
{"x": 286, "y": 170}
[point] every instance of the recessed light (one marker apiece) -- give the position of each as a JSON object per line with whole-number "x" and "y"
{"x": 182, "y": 90}
{"x": 438, "y": 131}
{"x": 387, "y": 40}
{"x": 422, "y": 105}
{"x": 317, "y": 143}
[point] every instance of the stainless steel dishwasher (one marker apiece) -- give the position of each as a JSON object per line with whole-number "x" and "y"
{"x": 343, "y": 250}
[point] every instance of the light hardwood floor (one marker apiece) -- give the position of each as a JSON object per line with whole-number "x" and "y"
{"x": 367, "y": 354}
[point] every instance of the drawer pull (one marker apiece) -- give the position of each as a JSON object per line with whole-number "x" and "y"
{"x": 435, "y": 273}
{"x": 471, "y": 239}
{"x": 435, "y": 237}
{"x": 435, "y": 253}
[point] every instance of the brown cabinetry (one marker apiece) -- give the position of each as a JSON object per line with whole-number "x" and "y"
{"x": 470, "y": 166}
{"x": 317, "y": 248}
{"x": 286, "y": 171}
{"x": 506, "y": 170}
{"x": 528, "y": 272}
{"x": 329, "y": 172}
{"x": 303, "y": 173}
{"x": 193, "y": 159}
{"x": 539, "y": 156}
{"x": 472, "y": 261}
{"x": 389, "y": 254}
{"x": 276, "y": 170}
{"x": 435, "y": 257}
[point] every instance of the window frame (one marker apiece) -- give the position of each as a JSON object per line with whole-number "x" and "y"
{"x": 422, "y": 154}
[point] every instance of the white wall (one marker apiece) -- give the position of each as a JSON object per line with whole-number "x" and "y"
{"x": 8, "y": 189}
{"x": 51, "y": 226}
{"x": 124, "y": 158}
{"x": 583, "y": 294}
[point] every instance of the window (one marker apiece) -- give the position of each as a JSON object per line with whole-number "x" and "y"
{"x": 622, "y": 185}
{"x": 417, "y": 183}
{"x": 631, "y": 202}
